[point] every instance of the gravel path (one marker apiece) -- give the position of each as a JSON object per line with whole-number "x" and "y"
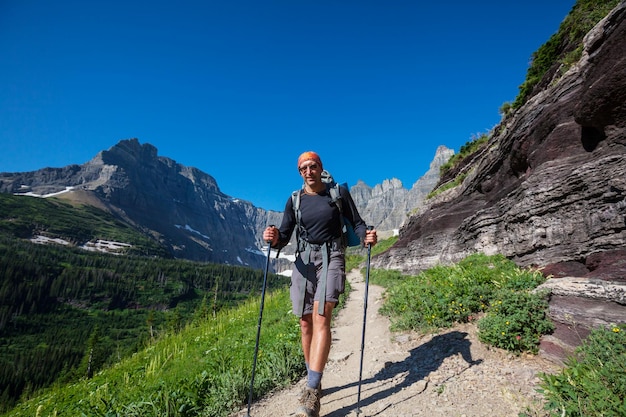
{"x": 407, "y": 374}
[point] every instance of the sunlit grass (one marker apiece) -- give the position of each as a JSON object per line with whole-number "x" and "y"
{"x": 202, "y": 370}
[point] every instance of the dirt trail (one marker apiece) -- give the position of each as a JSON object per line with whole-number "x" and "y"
{"x": 411, "y": 375}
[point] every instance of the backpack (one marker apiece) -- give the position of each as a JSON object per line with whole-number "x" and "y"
{"x": 348, "y": 236}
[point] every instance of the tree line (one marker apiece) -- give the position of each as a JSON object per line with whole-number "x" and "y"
{"x": 65, "y": 312}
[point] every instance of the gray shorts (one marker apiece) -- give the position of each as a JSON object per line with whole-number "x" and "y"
{"x": 306, "y": 278}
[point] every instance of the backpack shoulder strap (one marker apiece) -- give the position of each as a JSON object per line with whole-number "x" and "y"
{"x": 335, "y": 196}
{"x": 295, "y": 202}
{"x": 332, "y": 188}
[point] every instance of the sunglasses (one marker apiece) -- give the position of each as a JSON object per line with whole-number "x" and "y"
{"x": 312, "y": 167}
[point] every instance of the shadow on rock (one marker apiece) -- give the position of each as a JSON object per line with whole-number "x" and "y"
{"x": 421, "y": 361}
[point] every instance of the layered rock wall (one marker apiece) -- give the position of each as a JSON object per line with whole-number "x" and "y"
{"x": 550, "y": 186}
{"x": 548, "y": 191}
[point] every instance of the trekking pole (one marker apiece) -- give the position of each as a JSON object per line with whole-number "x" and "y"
{"x": 258, "y": 331}
{"x": 367, "y": 281}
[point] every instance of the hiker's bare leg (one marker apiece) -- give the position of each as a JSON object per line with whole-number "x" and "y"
{"x": 306, "y": 334}
{"x": 320, "y": 340}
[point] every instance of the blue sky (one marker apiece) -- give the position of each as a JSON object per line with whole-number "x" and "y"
{"x": 239, "y": 89}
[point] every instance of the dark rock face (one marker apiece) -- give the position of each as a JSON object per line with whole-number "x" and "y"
{"x": 549, "y": 190}
{"x": 608, "y": 265}
{"x": 584, "y": 295}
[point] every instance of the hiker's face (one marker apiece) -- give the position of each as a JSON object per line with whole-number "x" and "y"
{"x": 310, "y": 171}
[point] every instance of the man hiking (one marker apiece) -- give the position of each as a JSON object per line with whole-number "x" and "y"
{"x": 318, "y": 276}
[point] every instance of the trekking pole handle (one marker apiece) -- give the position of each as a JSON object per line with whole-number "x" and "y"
{"x": 272, "y": 226}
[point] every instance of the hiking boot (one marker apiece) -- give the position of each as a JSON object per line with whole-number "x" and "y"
{"x": 310, "y": 403}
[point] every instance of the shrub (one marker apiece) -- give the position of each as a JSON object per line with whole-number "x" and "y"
{"x": 593, "y": 382}
{"x": 444, "y": 295}
{"x": 515, "y": 321}
{"x": 514, "y": 318}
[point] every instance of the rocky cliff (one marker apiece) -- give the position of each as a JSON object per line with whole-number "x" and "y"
{"x": 548, "y": 190}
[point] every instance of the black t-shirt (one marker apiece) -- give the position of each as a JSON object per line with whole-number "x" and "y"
{"x": 320, "y": 217}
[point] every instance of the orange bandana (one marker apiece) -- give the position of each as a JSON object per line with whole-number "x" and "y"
{"x": 309, "y": 156}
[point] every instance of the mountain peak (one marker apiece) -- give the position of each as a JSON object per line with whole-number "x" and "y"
{"x": 127, "y": 152}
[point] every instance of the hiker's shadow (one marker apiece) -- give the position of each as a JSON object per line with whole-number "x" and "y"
{"x": 421, "y": 361}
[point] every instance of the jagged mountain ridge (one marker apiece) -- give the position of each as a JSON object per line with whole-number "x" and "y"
{"x": 183, "y": 208}
{"x": 389, "y": 204}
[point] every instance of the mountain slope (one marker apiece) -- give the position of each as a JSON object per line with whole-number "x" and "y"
{"x": 180, "y": 207}
{"x": 55, "y": 221}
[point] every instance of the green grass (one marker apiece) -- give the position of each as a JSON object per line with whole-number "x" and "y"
{"x": 447, "y": 186}
{"x": 593, "y": 383}
{"x": 356, "y": 257}
{"x": 53, "y": 298}
{"x": 202, "y": 370}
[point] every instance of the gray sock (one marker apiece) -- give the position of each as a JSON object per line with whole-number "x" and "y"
{"x": 314, "y": 380}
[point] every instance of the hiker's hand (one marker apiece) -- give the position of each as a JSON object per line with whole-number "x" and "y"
{"x": 371, "y": 238}
{"x": 271, "y": 234}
